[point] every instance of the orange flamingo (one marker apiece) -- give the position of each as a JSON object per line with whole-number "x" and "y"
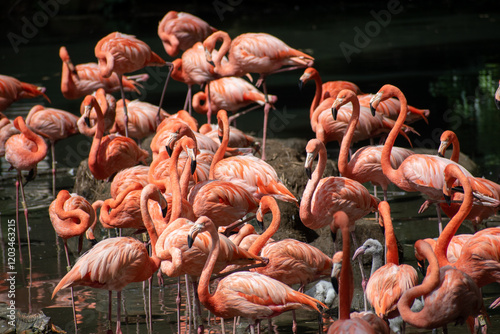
{"x": 346, "y": 323}
{"x": 53, "y": 124}
{"x": 386, "y": 285}
{"x": 497, "y": 96}
{"x": 449, "y": 294}
{"x": 418, "y": 172}
{"x": 12, "y": 90}
{"x": 84, "y": 79}
{"x": 127, "y": 176}
{"x": 255, "y": 53}
{"x": 246, "y": 294}
{"x": 111, "y": 153}
{"x": 231, "y": 94}
{"x": 107, "y": 102}
{"x": 121, "y": 53}
{"x": 180, "y": 31}
{"x": 114, "y": 263}
{"x": 141, "y": 118}
{"x": 71, "y": 215}
{"x": 290, "y": 261}
{"x": 365, "y": 164}
{"x": 7, "y": 129}
{"x": 24, "y": 151}
{"x": 237, "y": 138}
{"x": 255, "y": 174}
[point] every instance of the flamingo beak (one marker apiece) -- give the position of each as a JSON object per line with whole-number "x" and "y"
{"x": 308, "y": 164}
{"x": 260, "y": 219}
{"x": 361, "y": 250}
{"x": 374, "y": 102}
{"x": 193, "y": 233}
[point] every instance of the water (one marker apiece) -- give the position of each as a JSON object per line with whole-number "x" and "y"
{"x": 446, "y": 60}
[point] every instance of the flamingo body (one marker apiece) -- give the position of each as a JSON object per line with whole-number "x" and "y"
{"x": 11, "y": 90}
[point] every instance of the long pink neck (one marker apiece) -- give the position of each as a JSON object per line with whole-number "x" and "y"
{"x": 346, "y": 277}
{"x": 430, "y": 282}
{"x": 229, "y": 68}
{"x": 174, "y": 183}
{"x": 343, "y": 162}
{"x": 273, "y": 227}
{"x": 455, "y": 154}
{"x": 306, "y": 214}
{"x": 317, "y": 94}
{"x": 390, "y": 238}
{"x": 67, "y": 83}
{"x": 96, "y": 142}
{"x": 224, "y": 125}
{"x": 392, "y": 174}
{"x": 150, "y": 192}
{"x": 203, "y": 292}
{"x": 451, "y": 174}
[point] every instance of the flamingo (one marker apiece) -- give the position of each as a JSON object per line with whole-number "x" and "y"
{"x": 7, "y": 129}
{"x": 231, "y": 94}
{"x": 121, "y": 53}
{"x": 111, "y": 153}
{"x": 141, "y": 118}
{"x": 237, "y": 138}
{"x": 24, "y": 151}
{"x": 53, "y": 124}
{"x": 71, "y": 215}
{"x": 418, "y": 172}
{"x": 107, "y": 102}
{"x": 497, "y": 96}
{"x": 365, "y": 163}
{"x": 114, "y": 263}
{"x": 449, "y": 294}
{"x": 246, "y": 294}
{"x": 290, "y": 261}
{"x": 127, "y": 176}
{"x": 84, "y": 79}
{"x": 180, "y": 31}
{"x": 255, "y": 53}
{"x": 346, "y": 323}
{"x": 389, "y": 282}
{"x": 11, "y": 90}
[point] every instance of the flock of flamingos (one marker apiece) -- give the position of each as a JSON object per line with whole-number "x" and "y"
{"x": 206, "y": 183}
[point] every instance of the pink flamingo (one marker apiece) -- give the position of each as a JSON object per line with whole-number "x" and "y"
{"x": 237, "y": 138}
{"x": 11, "y": 90}
{"x": 112, "y": 153}
{"x": 365, "y": 164}
{"x": 180, "y": 31}
{"x": 246, "y": 294}
{"x": 7, "y": 129}
{"x": 127, "y": 176}
{"x": 84, "y": 79}
{"x": 121, "y": 53}
{"x": 107, "y": 102}
{"x": 53, "y": 124}
{"x": 255, "y": 53}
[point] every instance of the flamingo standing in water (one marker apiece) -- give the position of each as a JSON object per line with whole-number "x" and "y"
{"x": 365, "y": 163}
{"x": 246, "y": 294}
{"x": 255, "y": 53}
{"x": 418, "y": 172}
{"x": 386, "y": 285}
{"x": 11, "y": 90}
{"x": 53, "y": 124}
{"x": 345, "y": 323}
{"x": 24, "y": 151}
{"x": 84, "y": 79}
{"x": 179, "y": 31}
{"x": 114, "y": 263}
{"x": 121, "y": 53}
{"x": 449, "y": 294}
{"x": 111, "y": 153}
{"x": 71, "y": 215}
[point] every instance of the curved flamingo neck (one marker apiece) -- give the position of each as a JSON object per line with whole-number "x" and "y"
{"x": 390, "y": 238}
{"x": 306, "y": 214}
{"x": 150, "y": 192}
{"x": 41, "y": 152}
{"x": 346, "y": 277}
{"x": 455, "y": 153}
{"x": 391, "y": 173}
{"x": 198, "y": 106}
{"x": 270, "y": 231}
{"x": 219, "y": 154}
{"x": 343, "y": 162}
{"x": 174, "y": 183}
{"x": 430, "y": 282}
{"x": 203, "y": 292}
{"x": 452, "y": 173}
{"x": 319, "y": 92}
{"x": 67, "y": 83}
{"x": 184, "y": 180}
{"x": 96, "y": 142}
{"x": 85, "y": 219}
{"x": 230, "y": 67}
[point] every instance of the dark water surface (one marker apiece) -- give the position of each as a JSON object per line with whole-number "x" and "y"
{"x": 444, "y": 58}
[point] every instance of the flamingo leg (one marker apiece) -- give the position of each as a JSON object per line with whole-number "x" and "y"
{"x": 150, "y": 318}
{"x": 25, "y": 207}
{"x": 209, "y": 113}
{"x": 110, "y": 301}
{"x": 118, "y": 312}
{"x": 18, "y": 182}
{"x": 178, "y": 303}
{"x": 294, "y": 322}
{"x": 188, "y": 301}
{"x": 158, "y": 120}
{"x": 267, "y": 107}
{"x": 125, "y": 111}
{"x": 53, "y": 152}
{"x": 440, "y": 224}
{"x": 187, "y": 103}
{"x": 68, "y": 268}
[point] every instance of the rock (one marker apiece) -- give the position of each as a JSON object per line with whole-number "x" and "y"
{"x": 88, "y": 187}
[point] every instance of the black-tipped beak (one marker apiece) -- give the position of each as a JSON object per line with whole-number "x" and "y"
{"x": 421, "y": 267}
{"x": 193, "y": 167}
{"x": 301, "y": 84}
{"x": 440, "y": 155}
{"x": 87, "y": 121}
{"x": 220, "y": 138}
{"x": 459, "y": 189}
{"x": 260, "y": 223}
{"x": 93, "y": 242}
{"x": 334, "y": 113}
{"x": 164, "y": 211}
{"x": 373, "y": 110}
{"x": 211, "y": 62}
{"x": 190, "y": 241}
{"x": 334, "y": 236}
{"x": 169, "y": 150}
{"x": 308, "y": 172}
{"x": 447, "y": 199}
{"x": 335, "y": 284}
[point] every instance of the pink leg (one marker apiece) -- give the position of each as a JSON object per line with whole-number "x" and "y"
{"x": 118, "y": 312}
{"x": 68, "y": 268}
{"x": 187, "y": 103}
{"x": 264, "y": 133}
{"x": 18, "y": 181}
{"x": 125, "y": 111}
{"x": 363, "y": 278}
{"x": 25, "y": 207}
{"x": 158, "y": 118}
{"x": 178, "y": 303}
{"x": 53, "y": 151}
{"x": 209, "y": 113}
{"x": 294, "y": 322}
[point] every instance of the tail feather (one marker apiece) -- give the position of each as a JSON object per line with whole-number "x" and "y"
{"x": 155, "y": 60}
